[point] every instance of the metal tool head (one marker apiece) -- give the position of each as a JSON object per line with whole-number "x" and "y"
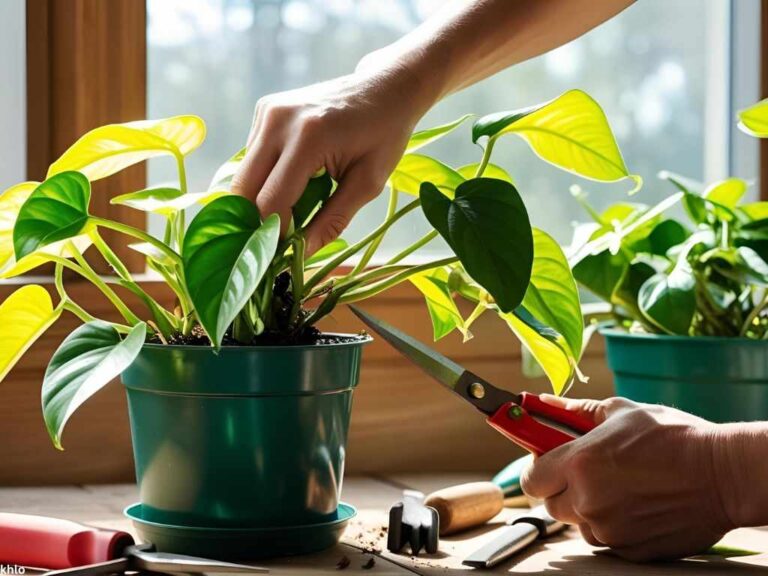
{"x": 482, "y": 394}
{"x": 146, "y": 558}
{"x": 414, "y": 524}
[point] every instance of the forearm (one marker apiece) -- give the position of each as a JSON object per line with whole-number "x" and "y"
{"x": 740, "y": 454}
{"x": 468, "y": 41}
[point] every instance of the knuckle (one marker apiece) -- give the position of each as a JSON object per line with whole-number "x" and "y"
{"x": 335, "y": 224}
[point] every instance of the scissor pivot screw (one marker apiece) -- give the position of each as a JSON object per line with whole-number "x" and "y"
{"x": 477, "y": 390}
{"x": 515, "y": 412}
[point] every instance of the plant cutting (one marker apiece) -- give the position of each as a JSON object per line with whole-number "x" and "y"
{"x": 687, "y": 297}
{"x": 215, "y": 383}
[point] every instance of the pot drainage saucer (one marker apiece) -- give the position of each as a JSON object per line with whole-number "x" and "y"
{"x": 241, "y": 543}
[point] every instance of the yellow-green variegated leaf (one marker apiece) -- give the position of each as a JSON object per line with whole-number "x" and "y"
{"x": 443, "y": 311}
{"x": 754, "y": 120}
{"x": 424, "y": 137}
{"x": 10, "y": 203}
{"x": 491, "y": 171}
{"x": 413, "y": 169}
{"x": 571, "y": 132}
{"x": 552, "y": 295}
{"x": 547, "y": 346}
{"x": 166, "y": 201}
{"x": 24, "y": 316}
{"x": 111, "y": 148}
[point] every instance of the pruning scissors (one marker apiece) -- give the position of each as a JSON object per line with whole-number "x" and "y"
{"x": 523, "y": 418}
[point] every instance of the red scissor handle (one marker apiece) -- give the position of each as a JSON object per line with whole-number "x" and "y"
{"x": 517, "y": 424}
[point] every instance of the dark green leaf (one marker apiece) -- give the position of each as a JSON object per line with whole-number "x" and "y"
{"x": 665, "y": 235}
{"x": 226, "y": 252}
{"x": 669, "y": 300}
{"x": 318, "y": 190}
{"x": 85, "y": 362}
{"x": 487, "y": 226}
{"x": 600, "y": 273}
{"x": 626, "y": 292}
{"x": 56, "y": 210}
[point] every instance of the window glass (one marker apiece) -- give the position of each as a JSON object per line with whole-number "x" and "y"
{"x": 651, "y": 68}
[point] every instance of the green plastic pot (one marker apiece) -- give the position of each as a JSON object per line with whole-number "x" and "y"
{"x": 249, "y": 437}
{"x": 720, "y": 379}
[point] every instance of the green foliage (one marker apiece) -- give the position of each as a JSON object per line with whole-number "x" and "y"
{"x": 235, "y": 280}
{"x": 704, "y": 278}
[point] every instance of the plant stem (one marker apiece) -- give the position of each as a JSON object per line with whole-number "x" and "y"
{"x": 373, "y": 289}
{"x": 89, "y": 273}
{"x": 753, "y": 315}
{"x": 297, "y": 276}
{"x": 371, "y": 250}
{"x": 332, "y": 264}
{"x": 426, "y": 239}
{"x": 139, "y": 234}
{"x": 486, "y": 158}
{"x": 73, "y": 307}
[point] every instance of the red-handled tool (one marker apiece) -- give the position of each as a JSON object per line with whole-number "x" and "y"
{"x": 523, "y": 418}
{"x": 54, "y": 543}
{"x": 71, "y": 549}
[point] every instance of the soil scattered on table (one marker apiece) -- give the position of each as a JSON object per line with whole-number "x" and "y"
{"x": 343, "y": 563}
{"x": 370, "y": 564}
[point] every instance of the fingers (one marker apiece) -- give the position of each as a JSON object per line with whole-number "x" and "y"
{"x": 356, "y": 188}
{"x": 285, "y": 184}
{"x": 588, "y": 535}
{"x": 596, "y": 410}
{"x": 561, "y": 508}
{"x": 253, "y": 170}
{"x": 545, "y": 478}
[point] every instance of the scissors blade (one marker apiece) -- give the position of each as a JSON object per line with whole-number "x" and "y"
{"x": 178, "y": 563}
{"x": 440, "y": 367}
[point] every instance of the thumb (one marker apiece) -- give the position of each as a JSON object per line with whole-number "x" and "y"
{"x": 355, "y": 190}
{"x": 596, "y": 410}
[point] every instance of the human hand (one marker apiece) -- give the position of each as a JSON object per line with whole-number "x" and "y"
{"x": 356, "y": 127}
{"x": 644, "y": 482}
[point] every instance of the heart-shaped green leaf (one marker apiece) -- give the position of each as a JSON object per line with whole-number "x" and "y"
{"x": 487, "y": 226}
{"x": 754, "y": 120}
{"x": 552, "y": 296}
{"x": 56, "y": 210}
{"x": 318, "y": 190}
{"x": 570, "y": 132}
{"x": 424, "y": 137}
{"x": 86, "y": 361}
{"x": 413, "y": 169}
{"x": 109, "y": 149}
{"x": 627, "y": 289}
{"x": 668, "y": 301}
{"x": 491, "y": 171}
{"x": 165, "y": 201}
{"x": 600, "y": 273}
{"x": 443, "y": 311}
{"x": 24, "y": 316}
{"x": 226, "y": 252}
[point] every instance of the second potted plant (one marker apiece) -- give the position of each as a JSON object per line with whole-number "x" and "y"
{"x": 688, "y": 299}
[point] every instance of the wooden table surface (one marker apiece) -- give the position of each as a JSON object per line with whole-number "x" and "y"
{"x": 561, "y": 556}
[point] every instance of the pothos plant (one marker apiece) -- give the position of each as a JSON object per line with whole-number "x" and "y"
{"x": 705, "y": 276}
{"x": 236, "y": 281}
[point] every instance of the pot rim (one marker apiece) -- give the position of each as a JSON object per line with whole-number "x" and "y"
{"x": 613, "y": 332}
{"x": 361, "y": 340}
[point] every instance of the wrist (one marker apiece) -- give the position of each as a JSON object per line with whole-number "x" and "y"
{"x": 741, "y": 471}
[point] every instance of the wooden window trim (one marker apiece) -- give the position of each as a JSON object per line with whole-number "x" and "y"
{"x": 87, "y": 66}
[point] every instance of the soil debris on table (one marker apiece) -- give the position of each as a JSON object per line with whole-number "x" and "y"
{"x": 370, "y": 564}
{"x": 343, "y": 563}
{"x": 371, "y": 539}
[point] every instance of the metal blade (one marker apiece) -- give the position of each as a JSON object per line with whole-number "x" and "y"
{"x": 440, "y": 367}
{"x": 178, "y": 563}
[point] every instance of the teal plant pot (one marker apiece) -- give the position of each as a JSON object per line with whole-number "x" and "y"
{"x": 247, "y": 438}
{"x": 720, "y": 379}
